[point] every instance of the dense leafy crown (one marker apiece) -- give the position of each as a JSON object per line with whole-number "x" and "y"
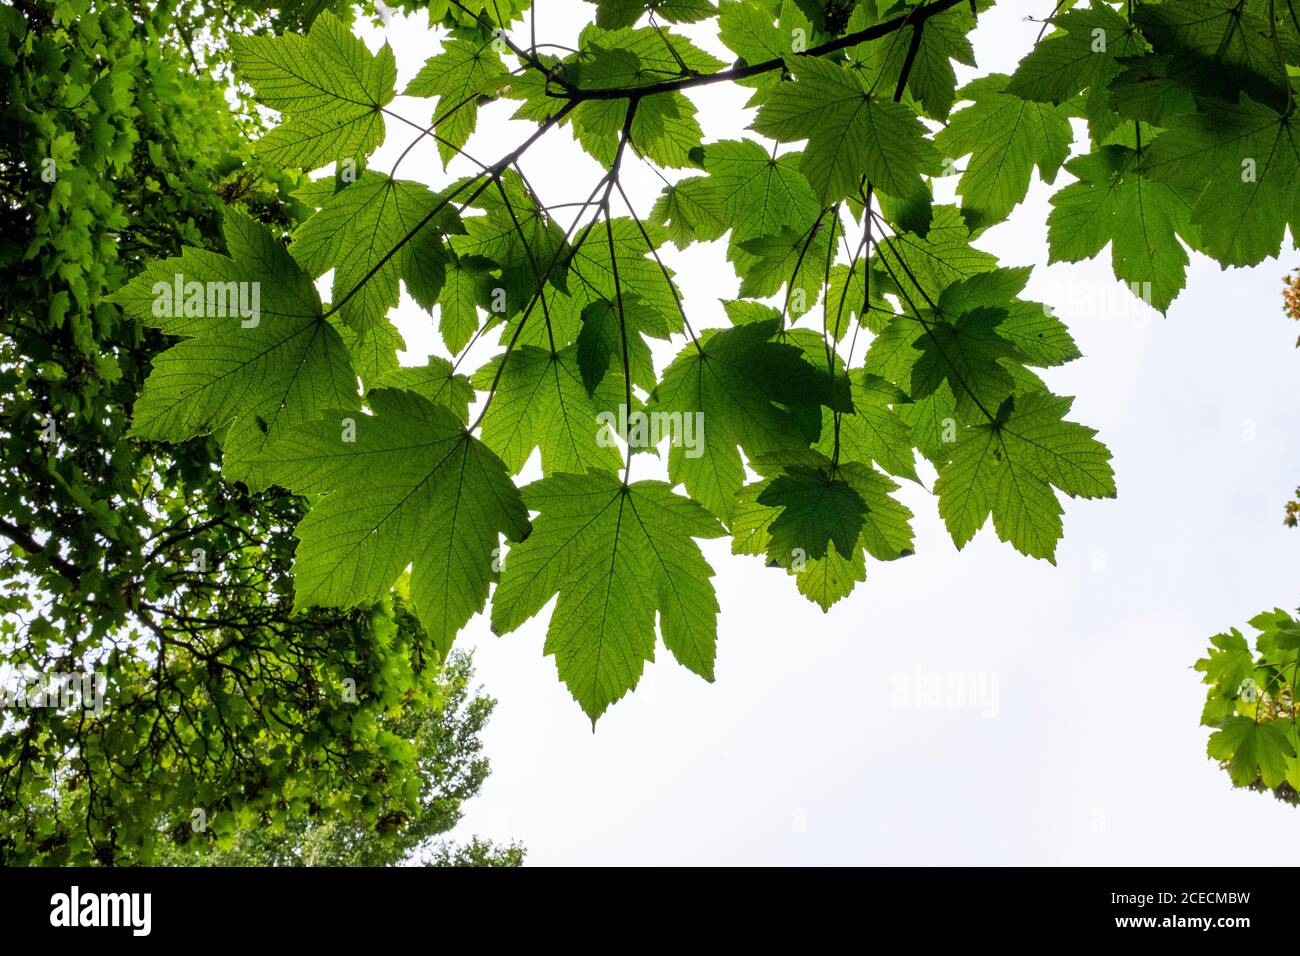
{"x": 867, "y": 326}
{"x": 1251, "y": 698}
{"x": 1251, "y": 704}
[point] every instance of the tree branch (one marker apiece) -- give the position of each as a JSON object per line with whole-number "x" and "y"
{"x": 914, "y": 17}
{"x": 23, "y": 538}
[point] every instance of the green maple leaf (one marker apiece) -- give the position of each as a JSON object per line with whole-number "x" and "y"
{"x": 261, "y": 375}
{"x": 541, "y": 401}
{"x": 815, "y": 510}
{"x": 968, "y": 354}
{"x": 649, "y": 55}
{"x": 407, "y": 486}
{"x": 874, "y": 431}
{"x": 1081, "y": 55}
{"x": 850, "y": 132}
{"x": 1005, "y": 137}
{"x": 751, "y": 32}
{"x": 640, "y": 277}
{"x": 331, "y": 88}
{"x": 873, "y": 523}
{"x": 1010, "y": 466}
{"x": 664, "y": 129}
{"x": 437, "y": 381}
{"x": 931, "y": 79}
{"x": 512, "y": 227}
{"x": 760, "y": 194}
{"x": 1222, "y": 47}
{"x": 1031, "y": 327}
{"x": 743, "y": 384}
{"x": 615, "y": 554}
{"x": 459, "y": 76}
{"x": 600, "y": 345}
{"x": 1116, "y": 203}
{"x": 787, "y": 258}
{"x": 1253, "y": 750}
{"x": 1145, "y": 90}
{"x": 466, "y": 280}
{"x": 1240, "y": 165}
{"x": 615, "y": 14}
{"x": 690, "y": 210}
{"x": 353, "y": 232}
{"x": 1230, "y": 662}
{"x": 926, "y": 265}
{"x": 848, "y": 299}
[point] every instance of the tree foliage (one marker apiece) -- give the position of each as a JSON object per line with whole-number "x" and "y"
{"x": 828, "y": 218}
{"x": 1251, "y": 702}
{"x": 229, "y": 716}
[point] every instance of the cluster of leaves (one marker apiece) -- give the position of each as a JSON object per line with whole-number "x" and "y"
{"x": 828, "y": 218}
{"x": 1252, "y": 704}
{"x": 139, "y": 561}
{"x": 1252, "y": 697}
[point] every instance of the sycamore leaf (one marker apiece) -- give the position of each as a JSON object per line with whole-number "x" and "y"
{"x": 464, "y": 71}
{"x": 329, "y": 86}
{"x": 1230, "y": 662}
{"x": 850, "y": 132}
{"x": 1144, "y": 90}
{"x": 1031, "y": 327}
{"x": 924, "y": 266}
{"x": 405, "y": 485}
{"x": 743, "y": 384}
{"x": 353, "y": 232}
{"x": 760, "y": 194}
{"x": 1222, "y": 47}
{"x": 600, "y": 345}
{"x": 874, "y": 431}
{"x": 615, "y": 554}
{"x": 1009, "y": 467}
{"x": 542, "y": 402}
{"x": 437, "y": 381}
{"x": 751, "y": 32}
{"x": 690, "y": 211}
{"x": 1115, "y": 202}
{"x": 640, "y": 277}
{"x": 930, "y": 78}
{"x": 1253, "y": 750}
{"x": 613, "y": 14}
{"x": 874, "y": 524}
{"x": 1005, "y": 137}
{"x": 458, "y": 301}
{"x": 1240, "y": 163}
{"x": 968, "y": 354}
{"x": 267, "y": 371}
{"x": 1080, "y": 55}
{"x": 815, "y": 509}
{"x": 787, "y": 258}
{"x": 664, "y": 129}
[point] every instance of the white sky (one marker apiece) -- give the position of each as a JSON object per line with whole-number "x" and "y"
{"x": 1090, "y": 750}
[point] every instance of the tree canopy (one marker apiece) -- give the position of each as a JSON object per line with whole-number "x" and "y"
{"x": 223, "y": 711}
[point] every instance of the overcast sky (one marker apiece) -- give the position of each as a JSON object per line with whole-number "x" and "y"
{"x": 1083, "y": 745}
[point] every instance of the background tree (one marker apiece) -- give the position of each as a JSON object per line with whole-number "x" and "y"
{"x": 227, "y": 710}
{"x": 1251, "y": 702}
